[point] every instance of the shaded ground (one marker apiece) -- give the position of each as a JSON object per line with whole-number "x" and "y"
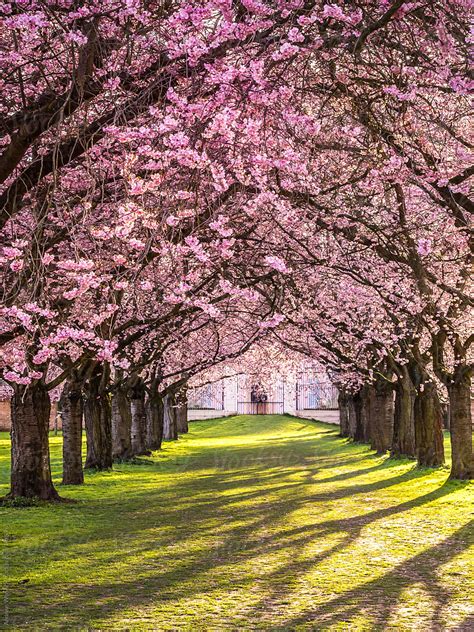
{"x": 247, "y": 523}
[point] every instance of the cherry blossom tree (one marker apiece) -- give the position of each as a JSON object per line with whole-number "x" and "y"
{"x": 152, "y": 153}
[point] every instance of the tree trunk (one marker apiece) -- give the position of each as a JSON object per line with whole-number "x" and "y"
{"x": 170, "y": 431}
{"x": 460, "y": 423}
{"x": 352, "y": 407}
{"x": 182, "y": 418}
{"x": 121, "y": 425}
{"x": 343, "y": 402}
{"x": 31, "y": 469}
{"x": 362, "y": 411}
{"x": 138, "y": 419}
{"x": 182, "y": 412}
{"x": 97, "y": 412}
{"x": 404, "y": 416}
{"x": 71, "y": 413}
{"x": 428, "y": 426}
{"x": 445, "y": 415}
{"x": 381, "y": 416}
{"x": 154, "y": 421}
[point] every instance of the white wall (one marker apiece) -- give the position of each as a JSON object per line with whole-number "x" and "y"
{"x": 230, "y": 403}
{"x": 230, "y": 393}
{"x": 289, "y": 406}
{"x": 289, "y": 397}
{"x": 328, "y": 416}
{"x": 194, "y": 415}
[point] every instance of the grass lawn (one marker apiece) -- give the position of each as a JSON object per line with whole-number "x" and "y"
{"x": 246, "y": 523}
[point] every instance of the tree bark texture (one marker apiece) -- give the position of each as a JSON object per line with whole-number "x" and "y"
{"x": 121, "y": 425}
{"x": 428, "y": 426}
{"x": 170, "y": 430}
{"x": 71, "y": 403}
{"x": 31, "y": 469}
{"x": 460, "y": 424}
{"x": 381, "y": 416}
{"x": 404, "y": 416}
{"x": 98, "y": 417}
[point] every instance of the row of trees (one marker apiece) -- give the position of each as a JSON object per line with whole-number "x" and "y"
{"x": 182, "y": 180}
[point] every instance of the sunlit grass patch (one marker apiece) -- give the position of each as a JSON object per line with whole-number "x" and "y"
{"x": 254, "y": 523}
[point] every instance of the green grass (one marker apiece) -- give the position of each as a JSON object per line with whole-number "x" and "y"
{"x": 246, "y": 523}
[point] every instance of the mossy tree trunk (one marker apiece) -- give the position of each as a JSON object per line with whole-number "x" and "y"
{"x": 457, "y": 380}
{"x": 460, "y": 423}
{"x": 121, "y": 424}
{"x": 381, "y": 415}
{"x": 343, "y": 402}
{"x": 30, "y": 467}
{"x": 404, "y": 443}
{"x": 352, "y": 408}
{"x": 428, "y": 426}
{"x": 154, "y": 415}
{"x": 72, "y": 409}
{"x": 170, "y": 430}
{"x": 362, "y": 408}
{"x": 154, "y": 422}
{"x": 182, "y": 411}
{"x": 98, "y": 418}
{"x": 137, "y": 398}
{"x": 354, "y": 414}
{"x": 428, "y": 417}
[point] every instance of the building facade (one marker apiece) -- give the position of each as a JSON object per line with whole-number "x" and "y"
{"x": 310, "y": 395}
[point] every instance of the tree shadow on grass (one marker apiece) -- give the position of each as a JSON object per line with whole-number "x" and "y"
{"x": 87, "y": 603}
{"x": 349, "y": 529}
{"x": 380, "y": 597}
{"x": 465, "y": 626}
{"x": 196, "y": 506}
